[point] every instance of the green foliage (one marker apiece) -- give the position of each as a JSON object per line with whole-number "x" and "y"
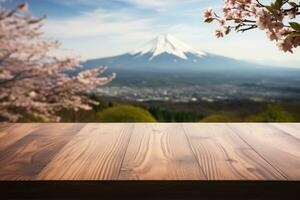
{"x": 209, "y": 20}
{"x": 77, "y": 116}
{"x": 225, "y": 117}
{"x": 28, "y": 118}
{"x": 169, "y": 115}
{"x": 225, "y": 111}
{"x": 25, "y": 117}
{"x": 295, "y": 26}
{"x": 273, "y": 113}
{"x": 125, "y": 113}
{"x": 278, "y": 4}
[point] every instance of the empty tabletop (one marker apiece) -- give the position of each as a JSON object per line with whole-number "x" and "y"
{"x": 141, "y": 151}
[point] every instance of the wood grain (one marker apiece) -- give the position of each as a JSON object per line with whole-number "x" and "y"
{"x": 224, "y": 156}
{"x": 4, "y": 126}
{"x": 150, "y": 151}
{"x": 61, "y": 129}
{"x": 289, "y": 128}
{"x": 277, "y": 147}
{"x": 27, "y": 157}
{"x": 160, "y": 152}
{"x": 11, "y": 133}
{"x": 36, "y": 146}
{"x": 96, "y": 153}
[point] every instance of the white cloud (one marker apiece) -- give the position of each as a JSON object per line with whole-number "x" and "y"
{"x": 155, "y": 3}
{"x": 106, "y": 32}
{"x": 98, "y": 23}
{"x": 148, "y": 4}
{"x": 161, "y": 5}
{"x": 101, "y": 32}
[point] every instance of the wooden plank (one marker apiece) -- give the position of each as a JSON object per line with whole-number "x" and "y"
{"x": 149, "y": 151}
{"x": 279, "y": 148}
{"x": 96, "y": 153}
{"x": 14, "y": 132}
{"x": 27, "y": 157}
{"x": 59, "y": 129}
{"x": 159, "y": 152}
{"x": 4, "y": 126}
{"x": 224, "y": 156}
{"x": 289, "y": 128}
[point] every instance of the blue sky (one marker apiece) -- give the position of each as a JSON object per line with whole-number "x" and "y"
{"x": 100, "y": 28}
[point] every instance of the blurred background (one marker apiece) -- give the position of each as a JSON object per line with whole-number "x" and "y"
{"x": 169, "y": 65}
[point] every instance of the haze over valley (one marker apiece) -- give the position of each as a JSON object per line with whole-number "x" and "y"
{"x": 167, "y": 69}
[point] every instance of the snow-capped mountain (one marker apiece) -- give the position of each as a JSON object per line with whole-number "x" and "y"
{"x": 167, "y": 44}
{"x": 168, "y": 54}
{"x": 168, "y": 66}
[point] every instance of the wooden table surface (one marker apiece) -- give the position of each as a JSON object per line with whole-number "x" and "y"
{"x": 188, "y": 151}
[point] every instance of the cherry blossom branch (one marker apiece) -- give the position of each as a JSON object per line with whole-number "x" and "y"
{"x": 247, "y": 29}
{"x": 245, "y": 15}
{"x": 33, "y": 80}
{"x": 260, "y": 4}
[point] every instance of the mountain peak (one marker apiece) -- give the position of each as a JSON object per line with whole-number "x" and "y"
{"x": 167, "y": 43}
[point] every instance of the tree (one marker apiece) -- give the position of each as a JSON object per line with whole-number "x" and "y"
{"x": 277, "y": 19}
{"x": 125, "y": 113}
{"x": 222, "y": 117}
{"x": 273, "y": 113}
{"x": 31, "y": 78}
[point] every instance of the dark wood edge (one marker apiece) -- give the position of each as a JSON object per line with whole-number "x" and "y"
{"x": 149, "y": 189}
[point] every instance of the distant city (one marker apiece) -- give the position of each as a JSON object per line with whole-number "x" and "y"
{"x": 167, "y": 69}
{"x": 199, "y": 93}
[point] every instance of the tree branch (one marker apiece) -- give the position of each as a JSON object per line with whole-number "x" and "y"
{"x": 247, "y": 29}
{"x": 257, "y": 1}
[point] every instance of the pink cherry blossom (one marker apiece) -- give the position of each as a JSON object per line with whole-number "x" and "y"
{"x": 208, "y": 13}
{"x": 33, "y": 80}
{"x": 285, "y": 45}
{"x": 219, "y": 34}
{"x": 245, "y": 15}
